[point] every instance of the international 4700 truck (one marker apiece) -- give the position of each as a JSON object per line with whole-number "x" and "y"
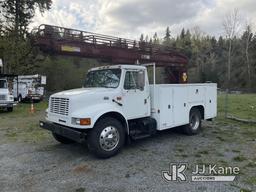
{"x": 117, "y": 104}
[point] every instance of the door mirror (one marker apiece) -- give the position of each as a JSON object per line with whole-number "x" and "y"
{"x": 141, "y": 80}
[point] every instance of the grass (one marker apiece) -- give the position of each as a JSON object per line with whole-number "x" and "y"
{"x": 22, "y": 125}
{"x": 239, "y": 158}
{"x": 239, "y": 105}
{"x": 23, "y": 110}
{"x": 251, "y": 164}
{"x": 245, "y": 190}
{"x": 204, "y": 152}
{"x": 235, "y": 151}
{"x": 251, "y": 180}
{"x": 242, "y": 106}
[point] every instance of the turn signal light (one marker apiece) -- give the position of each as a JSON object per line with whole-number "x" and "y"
{"x": 85, "y": 121}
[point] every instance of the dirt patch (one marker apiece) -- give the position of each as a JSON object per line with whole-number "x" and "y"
{"x": 83, "y": 168}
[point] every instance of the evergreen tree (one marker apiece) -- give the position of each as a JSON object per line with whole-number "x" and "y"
{"x": 19, "y": 13}
{"x": 141, "y": 38}
{"x": 167, "y": 37}
{"x": 150, "y": 41}
{"x": 16, "y": 16}
{"x": 156, "y": 39}
{"x": 146, "y": 38}
{"x": 182, "y": 34}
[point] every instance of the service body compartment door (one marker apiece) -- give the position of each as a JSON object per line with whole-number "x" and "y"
{"x": 166, "y": 108}
{"x": 196, "y": 94}
{"x": 211, "y": 102}
{"x": 180, "y": 106}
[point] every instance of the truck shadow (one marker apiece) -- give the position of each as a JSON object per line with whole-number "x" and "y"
{"x": 80, "y": 150}
{"x": 161, "y": 136}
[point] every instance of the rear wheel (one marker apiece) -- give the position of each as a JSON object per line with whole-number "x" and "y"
{"x": 194, "y": 125}
{"x": 62, "y": 139}
{"x": 107, "y": 138}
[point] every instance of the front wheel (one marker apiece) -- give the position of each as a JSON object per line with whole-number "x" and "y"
{"x": 194, "y": 125}
{"x": 19, "y": 99}
{"x": 107, "y": 138}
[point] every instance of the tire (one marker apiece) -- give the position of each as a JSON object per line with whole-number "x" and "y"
{"x": 36, "y": 101}
{"x": 9, "y": 109}
{"x": 62, "y": 139}
{"x": 19, "y": 99}
{"x": 99, "y": 141}
{"x": 194, "y": 125}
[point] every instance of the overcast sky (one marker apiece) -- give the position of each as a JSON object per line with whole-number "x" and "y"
{"x": 130, "y": 18}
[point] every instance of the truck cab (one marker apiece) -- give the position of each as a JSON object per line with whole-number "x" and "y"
{"x": 117, "y": 103}
{"x": 6, "y": 98}
{"x": 106, "y": 89}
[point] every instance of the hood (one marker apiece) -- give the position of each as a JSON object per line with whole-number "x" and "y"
{"x": 85, "y": 97}
{"x": 81, "y": 91}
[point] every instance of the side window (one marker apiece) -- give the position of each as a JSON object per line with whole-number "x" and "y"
{"x": 134, "y": 80}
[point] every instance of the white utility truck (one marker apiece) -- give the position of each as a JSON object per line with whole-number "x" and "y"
{"x": 30, "y": 87}
{"x": 117, "y": 104}
{"x": 6, "y": 98}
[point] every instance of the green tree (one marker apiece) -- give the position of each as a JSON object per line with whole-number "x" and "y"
{"x": 167, "y": 37}
{"x": 16, "y": 17}
{"x": 156, "y": 39}
{"x": 182, "y": 34}
{"x": 18, "y": 14}
{"x": 142, "y": 38}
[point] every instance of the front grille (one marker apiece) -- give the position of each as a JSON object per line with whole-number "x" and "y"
{"x": 59, "y": 106}
{"x": 2, "y": 97}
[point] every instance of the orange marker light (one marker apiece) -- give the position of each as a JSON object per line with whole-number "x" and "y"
{"x": 184, "y": 77}
{"x": 85, "y": 121}
{"x": 118, "y": 98}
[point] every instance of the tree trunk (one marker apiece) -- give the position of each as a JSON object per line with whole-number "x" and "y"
{"x": 247, "y": 61}
{"x": 229, "y": 61}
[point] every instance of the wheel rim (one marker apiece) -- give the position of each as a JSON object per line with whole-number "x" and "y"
{"x": 109, "y": 138}
{"x": 194, "y": 122}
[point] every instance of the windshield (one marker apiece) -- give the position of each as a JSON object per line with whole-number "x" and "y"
{"x": 3, "y": 84}
{"x": 108, "y": 78}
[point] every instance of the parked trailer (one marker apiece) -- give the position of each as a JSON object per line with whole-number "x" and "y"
{"x": 30, "y": 88}
{"x": 118, "y": 104}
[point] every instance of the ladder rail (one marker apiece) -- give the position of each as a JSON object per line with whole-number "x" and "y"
{"x": 62, "y": 33}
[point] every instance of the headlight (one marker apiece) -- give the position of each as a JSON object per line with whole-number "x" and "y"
{"x": 81, "y": 121}
{"x": 11, "y": 97}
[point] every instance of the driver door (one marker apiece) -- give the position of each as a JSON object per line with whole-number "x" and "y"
{"x": 136, "y": 103}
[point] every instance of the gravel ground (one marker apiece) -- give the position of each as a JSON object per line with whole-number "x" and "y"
{"x": 31, "y": 160}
